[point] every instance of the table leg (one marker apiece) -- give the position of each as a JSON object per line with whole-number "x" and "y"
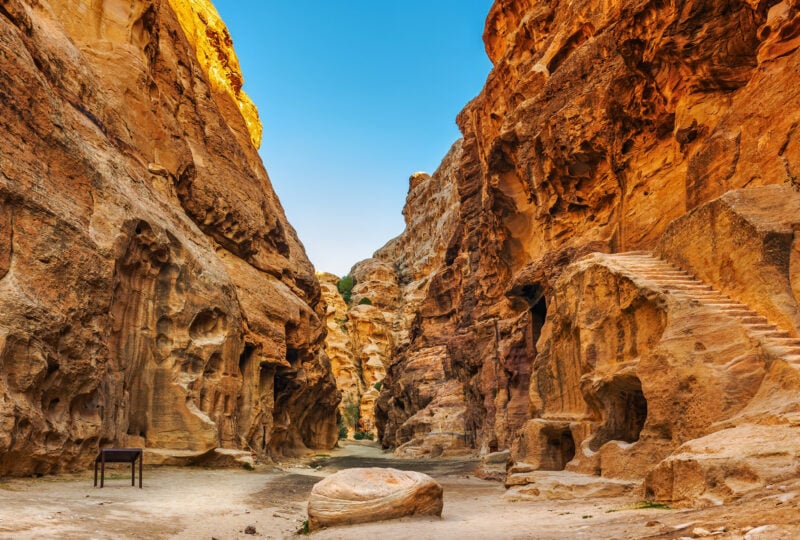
{"x": 95, "y": 473}
{"x": 133, "y": 473}
{"x": 102, "y": 469}
{"x": 141, "y": 460}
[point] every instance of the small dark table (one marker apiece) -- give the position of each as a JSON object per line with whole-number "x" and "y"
{"x": 119, "y": 455}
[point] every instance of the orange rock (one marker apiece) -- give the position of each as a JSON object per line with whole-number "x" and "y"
{"x": 599, "y": 126}
{"x": 152, "y": 292}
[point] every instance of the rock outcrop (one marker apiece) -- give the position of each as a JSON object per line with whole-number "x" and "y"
{"x": 372, "y": 494}
{"x": 152, "y": 292}
{"x": 359, "y": 344}
{"x": 608, "y": 128}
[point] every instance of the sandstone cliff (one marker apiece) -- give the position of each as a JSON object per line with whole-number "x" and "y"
{"x": 152, "y": 292}
{"x": 599, "y": 126}
{"x": 360, "y": 343}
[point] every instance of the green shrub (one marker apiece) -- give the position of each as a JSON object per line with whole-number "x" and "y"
{"x": 361, "y": 435}
{"x": 365, "y": 302}
{"x": 345, "y": 287}
{"x": 378, "y": 385}
{"x": 342, "y": 429}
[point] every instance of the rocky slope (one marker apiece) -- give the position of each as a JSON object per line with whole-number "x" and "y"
{"x": 152, "y": 292}
{"x": 599, "y": 126}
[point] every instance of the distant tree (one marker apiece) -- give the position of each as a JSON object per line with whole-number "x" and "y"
{"x": 345, "y": 287}
{"x": 365, "y": 302}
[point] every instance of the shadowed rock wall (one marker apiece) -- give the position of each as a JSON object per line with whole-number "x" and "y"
{"x": 151, "y": 291}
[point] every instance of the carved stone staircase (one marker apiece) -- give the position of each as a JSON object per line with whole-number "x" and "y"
{"x": 775, "y": 341}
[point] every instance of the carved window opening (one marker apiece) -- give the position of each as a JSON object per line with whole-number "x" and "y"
{"x": 558, "y": 449}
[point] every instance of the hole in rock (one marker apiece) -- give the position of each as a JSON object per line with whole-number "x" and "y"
{"x": 558, "y": 448}
{"x": 52, "y": 366}
{"x": 208, "y": 323}
{"x": 625, "y": 411}
{"x": 293, "y": 356}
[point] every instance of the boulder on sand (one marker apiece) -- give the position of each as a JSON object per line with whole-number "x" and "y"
{"x": 372, "y": 494}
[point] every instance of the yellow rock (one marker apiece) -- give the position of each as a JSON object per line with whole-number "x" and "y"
{"x": 213, "y": 45}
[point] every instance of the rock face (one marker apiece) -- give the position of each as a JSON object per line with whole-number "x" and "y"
{"x": 607, "y": 128}
{"x": 359, "y": 344}
{"x": 151, "y": 291}
{"x": 372, "y": 494}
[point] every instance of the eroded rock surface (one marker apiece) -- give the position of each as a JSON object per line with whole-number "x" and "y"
{"x": 151, "y": 291}
{"x": 372, "y": 494}
{"x": 607, "y": 128}
{"x": 359, "y": 344}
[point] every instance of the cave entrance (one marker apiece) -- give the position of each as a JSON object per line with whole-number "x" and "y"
{"x": 625, "y": 410}
{"x": 558, "y": 448}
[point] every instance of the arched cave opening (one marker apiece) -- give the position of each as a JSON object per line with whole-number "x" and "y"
{"x": 624, "y": 411}
{"x": 558, "y": 448}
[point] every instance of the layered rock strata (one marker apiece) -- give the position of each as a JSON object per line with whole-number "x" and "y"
{"x": 360, "y": 341}
{"x": 598, "y": 125}
{"x": 152, "y": 292}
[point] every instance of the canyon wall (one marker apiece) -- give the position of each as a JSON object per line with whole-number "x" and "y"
{"x": 152, "y": 292}
{"x": 599, "y": 126}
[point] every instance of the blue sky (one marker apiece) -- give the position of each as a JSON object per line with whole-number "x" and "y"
{"x": 355, "y": 97}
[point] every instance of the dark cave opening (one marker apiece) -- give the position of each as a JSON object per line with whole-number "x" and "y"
{"x": 293, "y": 357}
{"x": 624, "y": 410}
{"x": 558, "y": 448}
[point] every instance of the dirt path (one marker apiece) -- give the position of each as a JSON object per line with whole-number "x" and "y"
{"x": 204, "y": 504}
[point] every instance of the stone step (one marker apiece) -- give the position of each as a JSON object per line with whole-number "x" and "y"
{"x": 754, "y": 319}
{"x": 685, "y": 283}
{"x": 742, "y": 315}
{"x": 668, "y": 270}
{"x": 698, "y": 289}
{"x": 666, "y": 277}
{"x": 787, "y": 342}
{"x": 760, "y": 326}
{"x": 769, "y": 334}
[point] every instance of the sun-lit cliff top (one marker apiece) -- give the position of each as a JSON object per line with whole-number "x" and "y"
{"x": 214, "y": 48}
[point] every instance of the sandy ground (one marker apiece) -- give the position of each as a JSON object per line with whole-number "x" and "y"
{"x": 205, "y": 503}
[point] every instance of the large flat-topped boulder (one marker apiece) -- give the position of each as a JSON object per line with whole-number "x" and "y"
{"x": 372, "y": 494}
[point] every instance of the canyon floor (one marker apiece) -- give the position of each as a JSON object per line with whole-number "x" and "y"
{"x": 211, "y": 503}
